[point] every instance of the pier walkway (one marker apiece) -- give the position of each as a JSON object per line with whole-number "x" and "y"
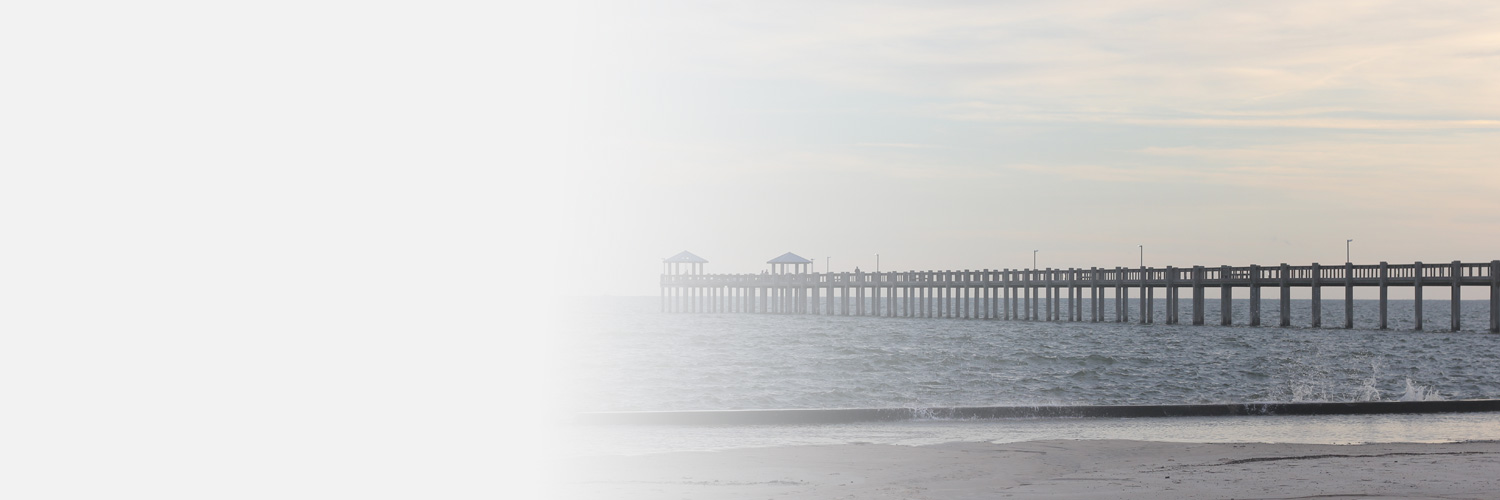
{"x": 1036, "y": 294}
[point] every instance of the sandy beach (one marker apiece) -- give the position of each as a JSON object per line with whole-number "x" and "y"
{"x": 1045, "y": 469}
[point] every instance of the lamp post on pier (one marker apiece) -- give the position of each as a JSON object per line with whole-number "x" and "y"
{"x": 877, "y": 262}
{"x": 1033, "y": 258}
{"x": 1346, "y": 251}
{"x": 1143, "y": 255}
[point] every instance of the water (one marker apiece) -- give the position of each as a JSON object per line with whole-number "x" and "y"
{"x": 622, "y": 354}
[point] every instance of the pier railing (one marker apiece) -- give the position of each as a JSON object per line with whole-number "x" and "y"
{"x": 1298, "y": 276}
{"x": 1017, "y": 294}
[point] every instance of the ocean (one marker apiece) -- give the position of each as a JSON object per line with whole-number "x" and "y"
{"x": 623, "y": 354}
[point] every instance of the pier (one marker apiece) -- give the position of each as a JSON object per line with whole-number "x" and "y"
{"x": 1038, "y": 294}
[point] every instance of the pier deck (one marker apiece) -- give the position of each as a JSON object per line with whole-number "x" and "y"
{"x": 1036, "y": 294}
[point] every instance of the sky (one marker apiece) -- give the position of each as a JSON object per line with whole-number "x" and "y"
{"x": 965, "y": 135}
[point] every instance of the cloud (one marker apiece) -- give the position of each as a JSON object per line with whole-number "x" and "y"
{"x": 1414, "y": 62}
{"x": 1453, "y": 173}
{"x": 896, "y": 145}
{"x": 1295, "y": 118}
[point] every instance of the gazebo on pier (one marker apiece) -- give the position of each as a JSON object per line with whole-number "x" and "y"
{"x": 673, "y": 264}
{"x": 797, "y": 264}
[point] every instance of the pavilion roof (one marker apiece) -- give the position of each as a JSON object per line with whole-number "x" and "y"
{"x": 789, "y": 258}
{"x": 688, "y": 257}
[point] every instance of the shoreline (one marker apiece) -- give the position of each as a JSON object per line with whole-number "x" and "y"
{"x": 1056, "y": 468}
{"x": 850, "y": 415}
{"x": 594, "y": 439}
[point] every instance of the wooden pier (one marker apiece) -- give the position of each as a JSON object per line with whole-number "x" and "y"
{"x": 1037, "y": 294}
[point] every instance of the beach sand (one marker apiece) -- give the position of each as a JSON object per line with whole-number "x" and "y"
{"x": 1044, "y": 469}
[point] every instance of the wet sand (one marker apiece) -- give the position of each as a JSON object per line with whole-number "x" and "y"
{"x": 1044, "y": 469}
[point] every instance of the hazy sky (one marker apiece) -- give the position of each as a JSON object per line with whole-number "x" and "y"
{"x": 967, "y": 134}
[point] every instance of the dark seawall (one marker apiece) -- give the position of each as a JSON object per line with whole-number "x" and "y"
{"x": 846, "y": 415}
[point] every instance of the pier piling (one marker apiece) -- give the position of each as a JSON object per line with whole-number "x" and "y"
{"x": 1385, "y": 275}
{"x": 1226, "y": 295}
{"x": 1254, "y": 295}
{"x": 1143, "y": 314}
{"x": 1286, "y": 295}
{"x": 1317, "y": 296}
{"x": 1495, "y": 296}
{"x": 1171, "y": 295}
{"x": 1198, "y": 295}
{"x": 1348, "y": 295}
{"x": 1456, "y": 273}
{"x": 1419, "y": 274}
